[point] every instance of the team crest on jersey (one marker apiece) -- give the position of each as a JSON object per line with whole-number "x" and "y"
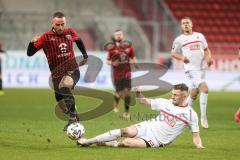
{"x": 68, "y": 36}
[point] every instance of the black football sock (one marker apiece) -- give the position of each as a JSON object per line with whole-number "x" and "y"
{"x": 69, "y": 100}
{"x": 58, "y": 96}
{"x": 127, "y": 101}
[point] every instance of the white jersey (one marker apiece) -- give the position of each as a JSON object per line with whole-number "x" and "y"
{"x": 191, "y": 46}
{"x": 172, "y": 120}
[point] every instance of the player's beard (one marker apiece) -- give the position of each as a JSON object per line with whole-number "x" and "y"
{"x": 119, "y": 40}
{"x": 57, "y": 31}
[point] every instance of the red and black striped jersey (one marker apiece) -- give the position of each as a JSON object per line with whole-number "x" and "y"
{"x": 59, "y": 50}
{"x": 123, "y": 55}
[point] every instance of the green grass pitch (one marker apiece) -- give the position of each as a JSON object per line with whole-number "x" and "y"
{"x": 30, "y": 130}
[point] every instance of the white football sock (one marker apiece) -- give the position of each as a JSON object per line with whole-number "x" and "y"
{"x": 190, "y": 101}
{"x": 105, "y": 137}
{"x": 203, "y": 105}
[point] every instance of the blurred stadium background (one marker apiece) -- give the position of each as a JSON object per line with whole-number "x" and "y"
{"x": 152, "y": 25}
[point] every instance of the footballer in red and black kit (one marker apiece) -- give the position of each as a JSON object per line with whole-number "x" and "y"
{"x": 57, "y": 45}
{"x": 120, "y": 53}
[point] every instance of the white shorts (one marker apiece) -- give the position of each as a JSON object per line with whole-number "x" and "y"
{"x": 195, "y": 78}
{"x": 145, "y": 133}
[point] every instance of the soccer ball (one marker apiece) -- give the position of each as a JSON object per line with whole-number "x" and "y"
{"x": 75, "y": 131}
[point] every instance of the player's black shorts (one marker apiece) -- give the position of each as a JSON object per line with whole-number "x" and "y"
{"x": 75, "y": 76}
{"x": 122, "y": 84}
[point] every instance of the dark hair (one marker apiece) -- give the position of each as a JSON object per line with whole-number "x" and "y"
{"x": 117, "y": 30}
{"x": 181, "y": 87}
{"x": 58, "y": 15}
{"x": 186, "y": 17}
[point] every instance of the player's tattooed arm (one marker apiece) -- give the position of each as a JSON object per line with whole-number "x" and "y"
{"x": 140, "y": 97}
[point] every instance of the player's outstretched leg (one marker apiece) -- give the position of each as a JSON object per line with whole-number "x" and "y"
{"x": 109, "y": 136}
{"x": 105, "y": 137}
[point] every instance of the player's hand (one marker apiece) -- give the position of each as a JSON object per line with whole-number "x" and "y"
{"x": 115, "y": 63}
{"x": 35, "y": 39}
{"x": 83, "y": 62}
{"x": 186, "y": 60}
{"x": 209, "y": 62}
{"x": 136, "y": 65}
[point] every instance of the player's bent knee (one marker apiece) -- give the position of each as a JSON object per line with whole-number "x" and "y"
{"x": 204, "y": 89}
{"x": 126, "y": 132}
{"x": 129, "y": 132}
{"x": 66, "y": 81}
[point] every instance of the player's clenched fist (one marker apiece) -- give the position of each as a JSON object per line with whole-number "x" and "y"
{"x": 186, "y": 60}
{"x": 209, "y": 61}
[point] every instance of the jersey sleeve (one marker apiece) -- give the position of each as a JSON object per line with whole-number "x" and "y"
{"x": 39, "y": 44}
{"x": 131, "y": 53}
{"x": 158, "y": 104}
{"x": 109, "y": 56}
{"x": 75, "y": 36}
{"x": 176, "y": 47}
{"x": 193, "y": 123}
{"x": 204, "y": 41}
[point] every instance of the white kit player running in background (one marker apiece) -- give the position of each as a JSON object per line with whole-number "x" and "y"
{"x": 174, "y": 116}
{"x": 192, "y": 48}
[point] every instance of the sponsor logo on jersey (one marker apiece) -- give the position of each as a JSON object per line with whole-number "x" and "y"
{"x": 63, "y": 48}
{"x": 68, "y": 36}
{"x": 194, "y": 47}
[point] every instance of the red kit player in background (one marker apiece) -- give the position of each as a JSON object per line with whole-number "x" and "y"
{"x": 57, "y": 45}
{"x": 119, "y": 59}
